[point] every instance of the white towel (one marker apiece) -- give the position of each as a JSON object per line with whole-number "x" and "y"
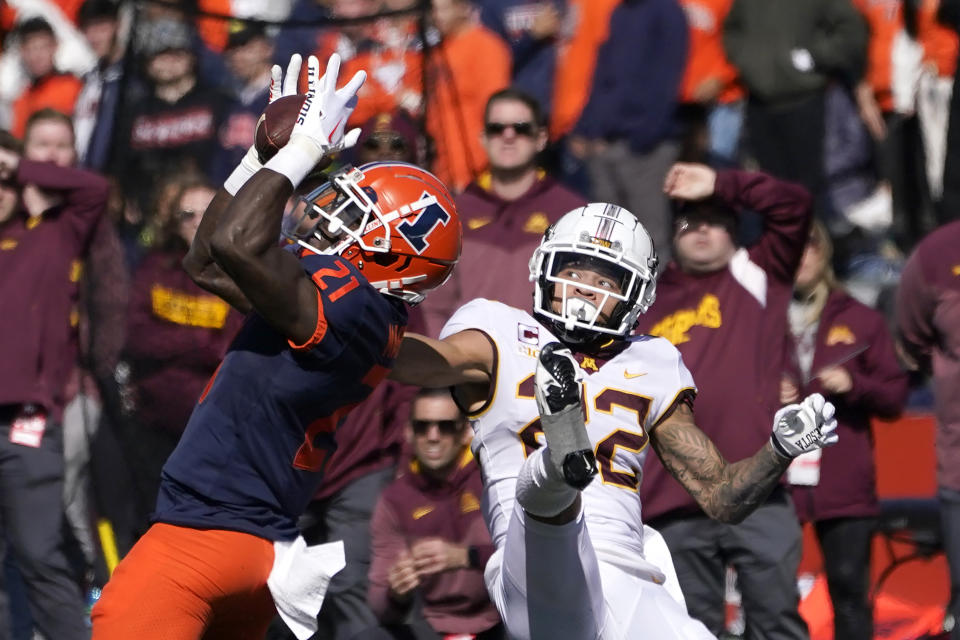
{"x": 299, "y": 580}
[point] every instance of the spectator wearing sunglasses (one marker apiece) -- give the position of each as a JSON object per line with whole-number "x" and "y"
{"x": 504, "y": 212}
{"x": 430, "y": 544}
{"x": 177, "y": 334}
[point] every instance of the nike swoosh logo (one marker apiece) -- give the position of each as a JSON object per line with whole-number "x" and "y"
{"x": 334, "y": 130}
{"x": 631, "y": 376}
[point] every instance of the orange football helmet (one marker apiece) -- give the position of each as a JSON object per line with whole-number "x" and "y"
{"x": 394, "y": 221}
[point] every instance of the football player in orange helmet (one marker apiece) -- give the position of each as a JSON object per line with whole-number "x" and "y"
{"x": 327, "y": 316}
{"x": 394, "y": 221}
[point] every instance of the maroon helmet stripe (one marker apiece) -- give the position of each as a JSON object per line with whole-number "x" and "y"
{"x": 607, "y": 221}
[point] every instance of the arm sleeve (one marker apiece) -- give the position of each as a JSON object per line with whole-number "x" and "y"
{"x": 471, "y": 316}
{"x": 386, "y": 544}
{"x": 107, "y": 293}
{"x": 879, "y": 384}
{"x": 85, "y": 192}
{"x": 680, "y": 388}
{"x": 787, "y": 213}
{"x": 916, "y": 300}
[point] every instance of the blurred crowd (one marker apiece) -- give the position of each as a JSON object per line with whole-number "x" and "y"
{"x": 121, "y": 119}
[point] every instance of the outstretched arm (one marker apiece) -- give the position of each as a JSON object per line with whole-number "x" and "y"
{"x": 245, "y": 246}
{"x": 465, "y": 357}
{"x": 729, "y": 492}
{"x": 726, "y": 492}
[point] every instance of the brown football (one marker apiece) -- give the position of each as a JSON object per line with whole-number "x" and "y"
{"x": 275, "y": 125}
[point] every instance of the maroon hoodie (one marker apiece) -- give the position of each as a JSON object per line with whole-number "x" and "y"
{"x": 730, "y": 327}
{"x": 855, "y": 337}
{"x": 39, "y": 271}
{"x": 414, "y": 507}
{"x": 499, "y": 237}
{"x": 177, "y": 334}
{"x": 928, "y": 315}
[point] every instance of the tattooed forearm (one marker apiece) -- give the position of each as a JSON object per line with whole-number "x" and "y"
{"x": 726, "y": 492}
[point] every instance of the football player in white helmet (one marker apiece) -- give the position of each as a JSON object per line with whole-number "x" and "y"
{"x": 566, "y": 394}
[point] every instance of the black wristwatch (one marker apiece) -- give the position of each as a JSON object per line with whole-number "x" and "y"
{"x": 473, "y": 558}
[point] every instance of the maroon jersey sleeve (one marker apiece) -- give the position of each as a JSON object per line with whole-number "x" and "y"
{"x": 85, "y": 193}
{"x": 786, "y": 211}
{"x": 916, "y": 301}
{"x": 879, "y": 384}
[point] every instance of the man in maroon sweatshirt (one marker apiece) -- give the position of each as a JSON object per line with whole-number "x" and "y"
{"x": 504, "y": 212}
{"x": 928, "y": 316}
{"x": 40, "y": 266}
{"x": 725, "y": 309}
{"x": 430, "y": 543}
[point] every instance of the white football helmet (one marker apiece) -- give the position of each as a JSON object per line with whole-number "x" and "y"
{"x": 601, "y": 237}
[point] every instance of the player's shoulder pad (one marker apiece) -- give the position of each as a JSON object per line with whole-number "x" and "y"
{"x": 654, "y": 347}
{"x": 479, "y": 313}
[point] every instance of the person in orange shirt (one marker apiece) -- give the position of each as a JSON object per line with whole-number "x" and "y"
{"x": 887, "y": 100}
{"x": 48, "y": 87}
{"x": 394, "y": 63}
{"x": 586, "y": 26}
{"x": 940, "y": 45}
{"x": 468, "y": 65}
{"x": 710, "y": 83}
{"x": 576, "y": 61}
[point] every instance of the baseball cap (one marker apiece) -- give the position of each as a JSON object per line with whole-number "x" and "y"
{"x": 242, "y": 32}
{"x": 710, "y": 211}
{"x": 396, "y": 122}
{"x": 165, "y": 34}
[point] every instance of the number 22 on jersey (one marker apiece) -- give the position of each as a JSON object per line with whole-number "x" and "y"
{"x": 633, "y": 439}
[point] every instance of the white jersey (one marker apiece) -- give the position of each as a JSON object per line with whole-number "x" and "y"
{"x": 624, "y": 397}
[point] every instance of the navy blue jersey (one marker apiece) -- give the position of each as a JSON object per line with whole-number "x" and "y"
{"x": 253, "y": 452}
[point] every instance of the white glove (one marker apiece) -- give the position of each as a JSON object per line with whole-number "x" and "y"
{"x": 798, "y": 428}
{"x": 557, "y": 382}
{"x": 802, "y": 60}
{"x": 319, "y": 130}
{"x": 280, "y": 86}
{"x": 559, "y": 391}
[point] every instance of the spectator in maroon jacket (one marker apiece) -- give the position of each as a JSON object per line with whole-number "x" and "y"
{"x": 504, "y": 212}
{"x": 177, "y": 334}
{"x": 49, "y": 137}
{"x": 843, "y": 350}
{"x": 390, "y": 136}
{"x": 725, "y": 309}
{"x": 38, "y": 349}
{"x": 928, "y": 316}
{"x": 430, "y": 543}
